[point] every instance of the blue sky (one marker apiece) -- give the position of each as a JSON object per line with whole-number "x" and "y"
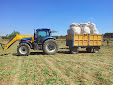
{"x": 26, "y": 15}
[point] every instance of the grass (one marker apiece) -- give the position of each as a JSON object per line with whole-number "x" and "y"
{"x": 59, "y": 69}
{"x": 3, "y": 39}
{"x": 0, "y": 38}
{"x": 111, "y": 39}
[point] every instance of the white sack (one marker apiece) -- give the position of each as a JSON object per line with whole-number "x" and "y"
{"x": 92, "y": 25}
{"x": 84, "y": 28}
{"x": 93, "y": 29}
{"x": 74, "y": 24}
{"x": 75, "y": 30}
{"x": 68, "y": 31}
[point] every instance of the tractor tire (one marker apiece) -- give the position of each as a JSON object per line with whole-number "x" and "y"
{"x": 50, "y": 47}
{"x": 73, "y": 50}
{"x": 23, "y": 49}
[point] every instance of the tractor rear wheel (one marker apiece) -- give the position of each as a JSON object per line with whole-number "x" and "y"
{"x": 50, "y": 47}
{"x": 23, "y": 49}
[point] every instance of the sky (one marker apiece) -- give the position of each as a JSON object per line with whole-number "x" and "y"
{"x": 26, "y": 15}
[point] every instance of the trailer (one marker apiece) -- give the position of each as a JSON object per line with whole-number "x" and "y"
{"x": 91, "y": 42}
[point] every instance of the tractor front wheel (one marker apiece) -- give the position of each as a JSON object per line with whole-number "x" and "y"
{"x": 50, "y": 47}
{"x": 23, "y": 49}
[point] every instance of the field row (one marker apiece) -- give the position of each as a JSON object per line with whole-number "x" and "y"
{"x": 61, "y": 69}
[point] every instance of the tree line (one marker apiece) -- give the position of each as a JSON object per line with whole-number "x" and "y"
{"x": 9, "y": 36}
{"x": 59, "y": 37}
{"x": 108, "y": 35}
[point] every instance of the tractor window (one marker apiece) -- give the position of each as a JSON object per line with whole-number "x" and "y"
{"x": 47, "y": 33}
{"x": 42, "y": 33}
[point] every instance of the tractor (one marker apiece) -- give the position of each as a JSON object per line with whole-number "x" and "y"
{"x": 41, "y": 40}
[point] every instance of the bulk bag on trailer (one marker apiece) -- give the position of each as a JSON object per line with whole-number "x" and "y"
{"x": 75, "y": 29}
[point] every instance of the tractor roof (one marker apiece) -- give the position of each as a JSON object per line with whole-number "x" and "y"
{"x": 42, "y": 29}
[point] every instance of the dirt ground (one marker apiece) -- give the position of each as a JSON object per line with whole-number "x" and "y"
{"x": 62, "y": 68}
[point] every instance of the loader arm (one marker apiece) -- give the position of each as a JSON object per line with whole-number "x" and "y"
{"x": 17, "y": 37}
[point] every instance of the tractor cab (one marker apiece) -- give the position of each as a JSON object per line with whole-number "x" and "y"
{"x": 44, "y": 41}
{"x": 42, "y": 34}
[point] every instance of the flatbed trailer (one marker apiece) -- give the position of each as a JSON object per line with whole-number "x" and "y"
{"x": 88, "y": 41}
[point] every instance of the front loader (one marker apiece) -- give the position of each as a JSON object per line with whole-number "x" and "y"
{"x": 41, "y": 40}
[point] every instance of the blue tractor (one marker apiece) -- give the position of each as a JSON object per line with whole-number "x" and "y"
{"x": 41, "y": 40}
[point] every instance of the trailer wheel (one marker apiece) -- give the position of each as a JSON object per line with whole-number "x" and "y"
{"x": 74, "y": 50}
{"x": 96, "y": 50}
{"x": 89, "y": 50}
{"x": 23, "y": 49}
{"x": 50, "y": 47}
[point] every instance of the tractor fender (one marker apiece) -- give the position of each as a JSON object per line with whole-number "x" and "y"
{"x": 47, "y": 38}
{"x": 27, "y": 42}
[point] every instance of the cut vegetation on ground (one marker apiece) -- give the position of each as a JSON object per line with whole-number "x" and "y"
{"x": 59, "y": 69}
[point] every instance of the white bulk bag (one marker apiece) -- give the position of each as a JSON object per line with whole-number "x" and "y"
{"x": 95, "y": 31}
{"x": 92, "y": 25}
{"x": 81, "y": 26}
{"x": 74, "y": 24}
{"x": 84, "y": 28}
{"x": 75, "y": 30}
{"x": 68, "y": 31}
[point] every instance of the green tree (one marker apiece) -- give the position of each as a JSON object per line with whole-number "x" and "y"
{"x": 9, "y": 36}
{"x": 13, "y": 34}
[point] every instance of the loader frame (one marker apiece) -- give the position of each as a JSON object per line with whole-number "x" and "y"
{"x": 17, "y": 37}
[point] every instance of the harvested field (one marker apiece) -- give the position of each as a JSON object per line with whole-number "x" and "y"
{"x": 62, "y": 68}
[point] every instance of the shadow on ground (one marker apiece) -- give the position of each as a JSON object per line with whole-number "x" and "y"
{"x": 84, "y": 52}
{"x": 32, "y": 53}
{"x": 63, "y": 48}
{"x": 63, "y": 52}
{"x": 68, "y": 52}
{"x": 41, "y": 53}
{"x": 36, "y": 53}
{"x": 5, "y": 54}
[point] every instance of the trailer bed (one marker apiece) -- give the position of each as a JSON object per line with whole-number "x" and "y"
{"x": 82, "y": 40}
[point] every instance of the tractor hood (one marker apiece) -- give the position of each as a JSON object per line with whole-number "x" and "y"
{"x": 28, "y": 38}
{"x": 23, "y": 40}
